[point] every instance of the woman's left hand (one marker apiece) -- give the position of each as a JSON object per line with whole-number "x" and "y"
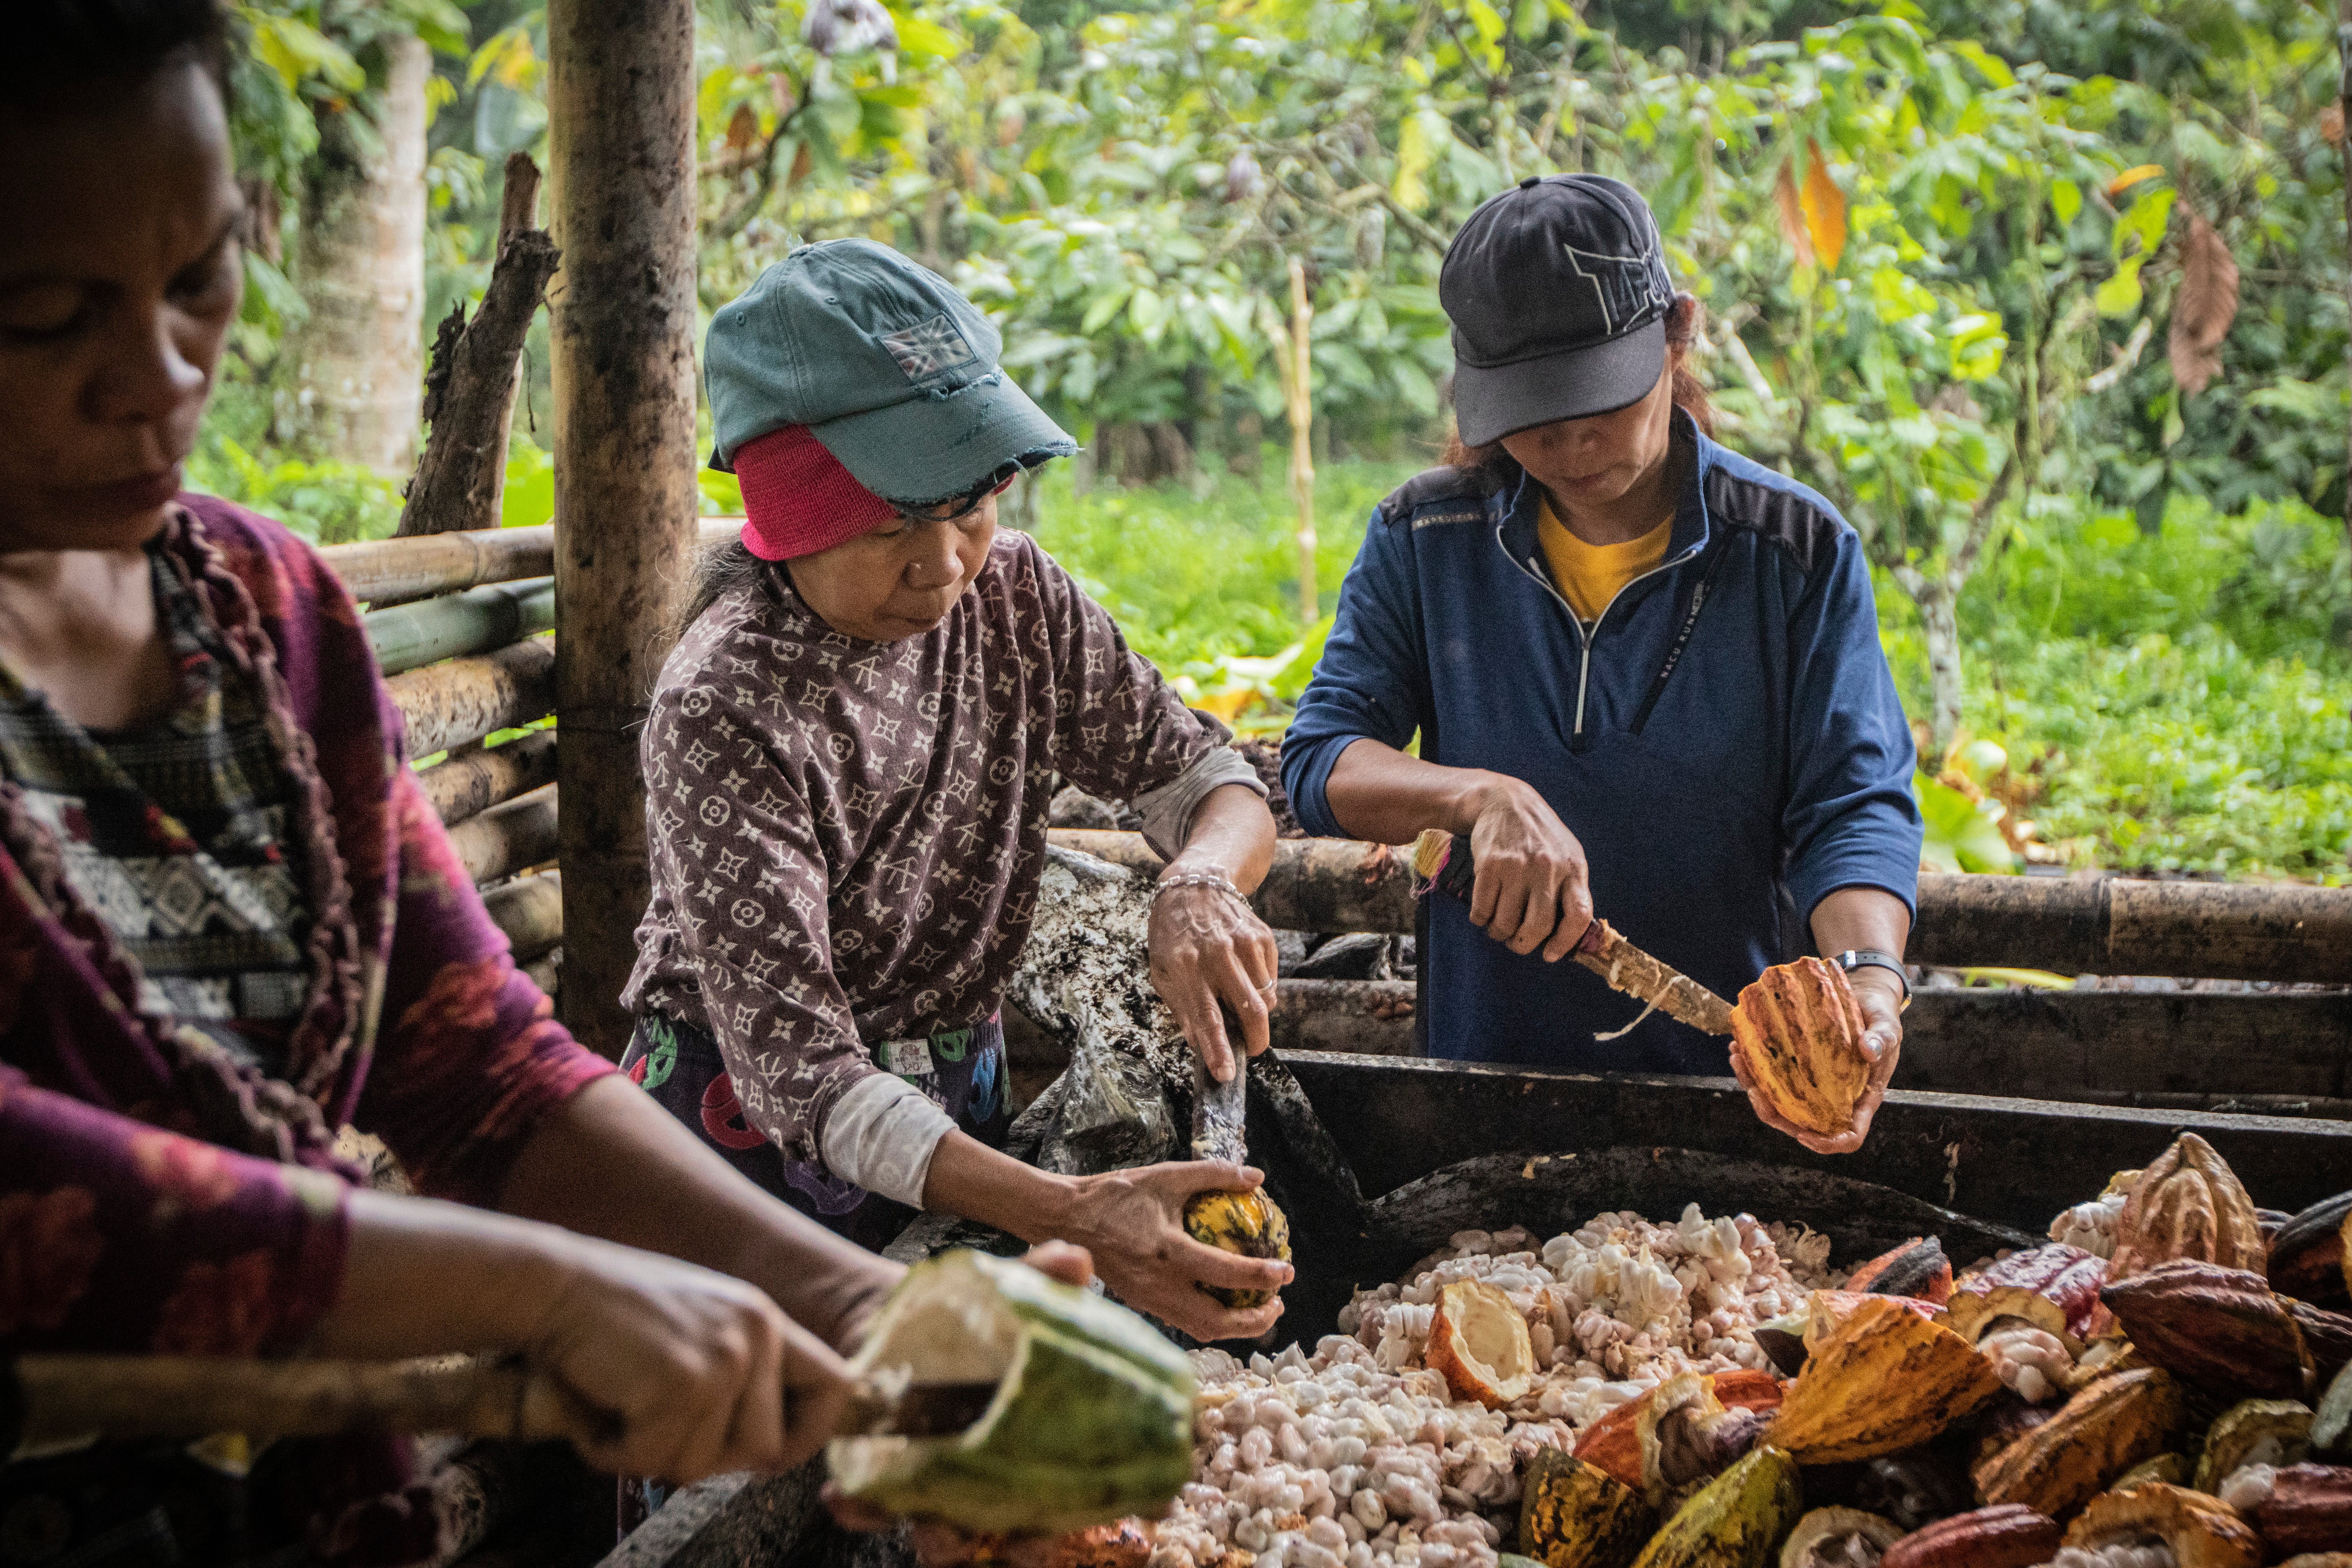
{"x": 1207, "y": 946}
{"x": 1880, "y": 996}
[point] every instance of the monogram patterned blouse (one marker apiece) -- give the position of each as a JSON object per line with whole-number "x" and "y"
{"x": 846, "y": 836}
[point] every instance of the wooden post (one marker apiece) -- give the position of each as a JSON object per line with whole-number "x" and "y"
{"x": 621, "y": 144}
{"x": 1302, "y": 421}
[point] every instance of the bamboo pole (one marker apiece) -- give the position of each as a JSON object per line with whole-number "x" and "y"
{"x": 392, "y": 571}
{"x": 1300, "y": 392}
{"x": 529, "y": 911}
{"x": 507, "y": 838}
{"x": 475, "y": 621}
{"x": 461, "y": 700}
{"x": 620, "y": 108}
{"x": 476, "y": 780}
{"x": 2111, "y": 926}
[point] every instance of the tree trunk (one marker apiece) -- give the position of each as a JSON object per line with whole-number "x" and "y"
{"x": 359, "y": 359}
{"x": 621, "y": 144}
{"x": 1939, "y": 620}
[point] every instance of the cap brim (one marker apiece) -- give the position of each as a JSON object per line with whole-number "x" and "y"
{"x": 928, "y": 449}
{"x": 1492, "y": 402}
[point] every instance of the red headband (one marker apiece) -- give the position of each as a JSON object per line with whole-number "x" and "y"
{"x": 797, "y": 498}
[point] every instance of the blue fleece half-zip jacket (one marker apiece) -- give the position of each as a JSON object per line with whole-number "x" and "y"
{"x": 1720, "y": 791}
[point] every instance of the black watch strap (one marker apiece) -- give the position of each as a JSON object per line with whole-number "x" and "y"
{"x": 1855, "y": 958}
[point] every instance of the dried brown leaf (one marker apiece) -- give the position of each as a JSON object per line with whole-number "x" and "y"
{"x": 2204, "y": 309}
{"x": 2331, "y": 124}
{"x": 1792, "y": 214}
{"x": 742, "y": 127}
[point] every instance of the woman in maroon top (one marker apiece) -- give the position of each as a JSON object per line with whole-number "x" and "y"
{"x": 198, "y": 759}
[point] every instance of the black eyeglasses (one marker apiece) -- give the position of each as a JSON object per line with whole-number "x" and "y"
{"x": 955, "y": 508}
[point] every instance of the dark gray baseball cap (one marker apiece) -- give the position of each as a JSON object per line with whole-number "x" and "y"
{"x": 1559, "y": 293}
{"x": 884, "y": 361}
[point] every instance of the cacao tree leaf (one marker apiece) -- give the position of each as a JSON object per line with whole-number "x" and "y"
{"x": 1792, "y": 214}
{"x": 2203, "y": 310}
{"x": 1824, "y": 208}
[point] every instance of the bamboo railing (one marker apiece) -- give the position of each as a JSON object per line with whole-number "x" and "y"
{"x": 462, "y": 626}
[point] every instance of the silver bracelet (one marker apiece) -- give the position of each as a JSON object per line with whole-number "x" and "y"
{"x": 1216, "y": 879}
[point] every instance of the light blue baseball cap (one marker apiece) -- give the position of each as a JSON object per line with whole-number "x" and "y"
{"x": 887, "y": 365}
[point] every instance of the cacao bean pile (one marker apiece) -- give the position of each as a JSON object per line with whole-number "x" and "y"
{"x": 2162, "y": 1385}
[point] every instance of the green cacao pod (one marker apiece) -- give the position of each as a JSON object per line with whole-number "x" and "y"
{"x": 1573, "y": 1515}
{"x": 1092, "y": 1419}
{"x": 1738, "y": 1520}
{"x": 1247, "y": 1223}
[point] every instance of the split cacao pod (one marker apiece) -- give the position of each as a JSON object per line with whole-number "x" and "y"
{"x": 2201, "y": 1531}
{"x": 2331, "y": 1422}
{"x": 2255, "y": 1432}
{"x": 1797, "y": 1037}
{"x": 1884, "y": 1380}
{"x": 1837, "y": 1535}
{"x": 2102, "y": 1431}
{"x": 2054, "y": 1288}
{"x": 2309, "y": 1508}
{"x": 1478, "y": 1342}
{"x": 2188, "y": 1204}
{"x": 1688, "y": 1437}
{"x": 2220, "y": 1330}
{"x": 2007, "y": 1536}
{"x": 1735, "y": 1520}
{"x": 1917, "y": 1268}
{"x": 1573, "y": 1515}
{"x": 1613, "y": 1443}
{"x": 2307, "y": 1256}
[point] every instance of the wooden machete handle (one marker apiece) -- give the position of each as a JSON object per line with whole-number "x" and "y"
{"x": 50, "y": 1400}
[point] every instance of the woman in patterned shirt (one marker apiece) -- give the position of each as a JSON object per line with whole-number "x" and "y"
{"x": 847, "y": 766}
{"x": 229, "y": 923}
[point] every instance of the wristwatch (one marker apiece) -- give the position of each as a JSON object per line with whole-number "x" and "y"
{"x": 1855, "y": 958}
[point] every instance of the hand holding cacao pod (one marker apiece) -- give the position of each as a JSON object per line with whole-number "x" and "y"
{"x": 1801, "y": 1048}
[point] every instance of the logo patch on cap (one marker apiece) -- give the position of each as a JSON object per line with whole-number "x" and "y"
{"x": 1622, "y": 285}
{"x": 929, "y": 350}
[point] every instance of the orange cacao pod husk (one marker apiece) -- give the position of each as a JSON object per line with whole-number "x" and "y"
{"x": 2102, "y": 1431}
{"x": 1613, "y": 1444}
{"x": 2201, "y": 1531}
{"x": 1797, "y": 1033}
{"x": 2188, "y": 1204}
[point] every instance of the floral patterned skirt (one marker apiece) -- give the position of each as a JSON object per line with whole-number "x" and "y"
{"x": 680, "y": 1065}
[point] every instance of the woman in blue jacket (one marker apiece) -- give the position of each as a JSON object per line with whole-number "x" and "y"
{"x": 1644, "y": 673}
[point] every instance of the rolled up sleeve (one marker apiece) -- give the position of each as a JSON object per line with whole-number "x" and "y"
{"x": 1850, "y": 820}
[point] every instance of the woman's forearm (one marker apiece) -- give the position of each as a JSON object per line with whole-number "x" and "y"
{"x": 1380, "y": 795}
{"x": 425, "y": 1277}
{"x": 1232, "y": 833}
{"x": 611, "y": 1163}
{"x": 968, "y": 1178}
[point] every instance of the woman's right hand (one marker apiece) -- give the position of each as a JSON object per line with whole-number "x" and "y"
{"x": 1532, "y": 888}
{"x": 705, "y": 1374}
{"x": 1133, "y": 1224}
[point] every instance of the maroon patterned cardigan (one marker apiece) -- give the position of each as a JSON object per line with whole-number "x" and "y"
{"x": 154, "y": 1194}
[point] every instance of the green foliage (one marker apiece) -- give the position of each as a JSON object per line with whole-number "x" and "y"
{"x": 1192, "y": 580}
{"x": 326, "y": 503}
{"x": 1962, "y": 835}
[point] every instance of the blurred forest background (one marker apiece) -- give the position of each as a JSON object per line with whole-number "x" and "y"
{"x": 2048, "y": 296}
